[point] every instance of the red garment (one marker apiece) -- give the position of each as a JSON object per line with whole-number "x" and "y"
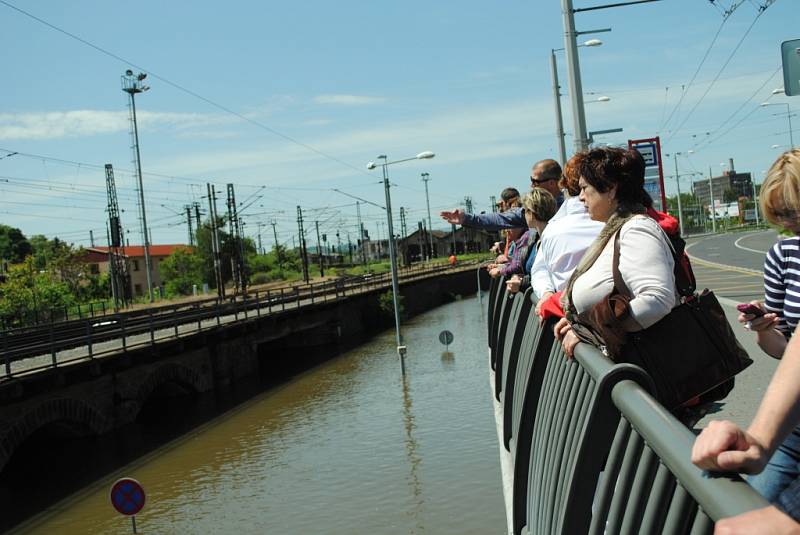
{"x": 552, "y": 307}
{"x": 508, "y": 244}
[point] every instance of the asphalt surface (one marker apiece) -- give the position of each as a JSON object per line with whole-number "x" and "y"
{"x": 731, "y": 265}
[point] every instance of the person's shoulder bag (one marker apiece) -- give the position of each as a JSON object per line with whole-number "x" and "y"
{"x": 690, "y": 352}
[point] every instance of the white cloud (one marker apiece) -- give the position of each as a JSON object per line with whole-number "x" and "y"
{"x": 348, "y": 100}
{"x": 82, "y": 123}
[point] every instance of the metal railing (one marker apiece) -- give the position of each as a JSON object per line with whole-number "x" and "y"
{"x": 592, "y": 450}
{"x": 43, "y": 347}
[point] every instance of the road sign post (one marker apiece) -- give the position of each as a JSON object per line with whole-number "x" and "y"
{"x": 128, "y": 497}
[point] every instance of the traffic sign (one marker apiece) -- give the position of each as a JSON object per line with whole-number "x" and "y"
{"x": 649, "y": 153}
{"x": 127, "y": 496}
{"x": 790, "y": 54}
{"x": 446, "y": 337}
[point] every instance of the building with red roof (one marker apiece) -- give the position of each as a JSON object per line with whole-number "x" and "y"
{"x": 98, "y": 260}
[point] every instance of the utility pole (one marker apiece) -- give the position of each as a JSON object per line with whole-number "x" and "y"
{"x": 189, "y": 222}
{"x": 277, "y": 246}
{"x": 302, "y": 238}
{"x": 404, "y": 233}
{"x": 338, "y": 245}
{"x": 493, "y": 200}
{"x": 425, "y": 178}
{"x": 233, "y": 231}
{"x": 319, "y": 251}
{"x": 713, "y": 204}
{"x": 349, "y": 248}
{"x": 361, "y": 233}
{"x": 91, "y": 237}
{"x": 260, "y": 225}
{"x": 562, "y": 150}
{"x": 116, "y": 245}
{"x": 755, "y": 202}
{"x": 467, "y": 232}
{"x": 574, "y": 77}
{"x": 453, "y": 232}
{"x": 196, "y": 214}
{"x": 678, "y": 182}
{"x": 212, "y": 211}
{"x": 133, "y": 85}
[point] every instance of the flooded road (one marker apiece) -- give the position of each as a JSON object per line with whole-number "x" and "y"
{"x": 348, "y": 447}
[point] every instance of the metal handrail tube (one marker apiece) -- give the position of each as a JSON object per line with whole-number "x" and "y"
{"x": 720, "y": 497}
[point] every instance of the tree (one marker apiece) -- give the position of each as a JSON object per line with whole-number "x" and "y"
{"x": 28, "y": 294}
{"x": 729, "y": 195}
{"x": 14, "y": 246}
{"x": 182, "y": 270}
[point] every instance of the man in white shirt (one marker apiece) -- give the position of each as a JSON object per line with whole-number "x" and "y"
{"x": 564, "y": 242}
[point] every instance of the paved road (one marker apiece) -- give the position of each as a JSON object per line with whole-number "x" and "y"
{"x": 731, "y": 265}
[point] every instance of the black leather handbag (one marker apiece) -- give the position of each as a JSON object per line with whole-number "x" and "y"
{"x": 689, "y": 352}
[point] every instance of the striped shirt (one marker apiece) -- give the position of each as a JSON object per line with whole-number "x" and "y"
{"x": 782, "y": 283}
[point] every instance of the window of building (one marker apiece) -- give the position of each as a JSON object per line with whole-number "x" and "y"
{"x": 136, "y": 265}
{"x": 137, "y": 289}
{"x": 94, "y": 269}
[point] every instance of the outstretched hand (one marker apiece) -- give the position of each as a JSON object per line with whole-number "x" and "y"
{"x": 454, "y": 217}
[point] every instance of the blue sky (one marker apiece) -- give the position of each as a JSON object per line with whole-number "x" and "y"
{"x": 351, "y": 80}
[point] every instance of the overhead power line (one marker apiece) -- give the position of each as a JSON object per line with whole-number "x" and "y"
{"x": 719, "y": 73}
{"x": 184, "y": 89}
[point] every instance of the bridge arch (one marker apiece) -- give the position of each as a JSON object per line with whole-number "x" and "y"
{"x": 75, "y": 416}
{"x": 168, "y": 372}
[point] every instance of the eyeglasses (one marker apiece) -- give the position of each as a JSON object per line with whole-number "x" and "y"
{"x": 537, "y": 182}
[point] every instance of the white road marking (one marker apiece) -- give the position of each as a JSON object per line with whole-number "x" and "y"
{"x": 743, "y": 248}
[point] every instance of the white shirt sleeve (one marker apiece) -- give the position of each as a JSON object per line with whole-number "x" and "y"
{"x": 647, "y": 267}
{"x": 541, "y": 280}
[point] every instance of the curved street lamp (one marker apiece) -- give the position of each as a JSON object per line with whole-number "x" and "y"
{"x": 426, "y": 155}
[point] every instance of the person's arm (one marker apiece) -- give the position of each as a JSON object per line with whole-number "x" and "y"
{"x": 514, "y": 218}
{"x": 723, "y": 446}
{"x": 770, "y": 334}
{"x": 647, "y": 268}
{"x": 516, "y": 264}
{"x": 765, "y": 520}
{"x": 541, "y": 281}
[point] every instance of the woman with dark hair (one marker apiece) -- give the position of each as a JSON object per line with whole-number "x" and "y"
{"x": 612, "y": 189}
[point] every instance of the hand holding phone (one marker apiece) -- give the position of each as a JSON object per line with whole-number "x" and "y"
{"x": 749, "y": 308}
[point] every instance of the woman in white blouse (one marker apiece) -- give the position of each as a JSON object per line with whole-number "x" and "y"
{"x": 612, "y": 189}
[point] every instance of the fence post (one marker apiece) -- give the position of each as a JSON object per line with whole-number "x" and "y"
{"x": 5, "y": 354}
{"x": 216, "y": 311}
{"x": 244, "y": 302}
{"x": 311, "y": 288}
{"x": 258, "y": 306}
{"x": 269, "y": 304}
{"x": 104, "y": 307}
{"x": 89, "y": 337}
{"x": 199, "y": 317}
{"x": 152, "y": 331}
{"x": 235, "y": 310}
{"x": 175, "y": 322}
{"x": 91, "y": 309}
{"x": 283, "y": 301}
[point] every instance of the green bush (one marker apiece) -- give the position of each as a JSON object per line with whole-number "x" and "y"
{"x": 261, "y": 278}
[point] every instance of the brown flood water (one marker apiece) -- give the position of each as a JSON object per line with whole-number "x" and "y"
{"x": 347, "y": 447}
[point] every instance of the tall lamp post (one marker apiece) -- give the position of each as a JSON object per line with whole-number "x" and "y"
{"x": 132, "y": 85}
{"x": 401, "y": 349}
{"x": 426, "y": 178}
{"x": 562, "y": 150}
{"x": 788, "y": 116}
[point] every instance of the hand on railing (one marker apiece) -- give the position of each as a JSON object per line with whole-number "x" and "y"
{"x": 765, "y": 520}
{"x": 725, "y": 447}
{"x": 564, "y": 333}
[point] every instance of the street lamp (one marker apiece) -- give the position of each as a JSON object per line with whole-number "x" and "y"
{"x": 132, "y": 85}
{"x": 426, "y": 178}
{"x": 562, "y": 151}
{"x": 788, "y": 116}
{"x": 401, "y": 349}
{"x": 678, "y": 182}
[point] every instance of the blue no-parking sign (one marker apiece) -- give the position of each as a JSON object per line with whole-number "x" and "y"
{"x": 127, "y": 496}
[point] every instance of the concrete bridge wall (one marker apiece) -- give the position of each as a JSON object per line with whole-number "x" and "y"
{"x": 95, "y": 397}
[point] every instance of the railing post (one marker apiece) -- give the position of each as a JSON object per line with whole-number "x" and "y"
{"x": 175, "y": 322}
{"x": 52, "y": 344}
{"x": 91, "y": 309}
{"x": 152, "y": 330}
{"x": 311, "y": 288}
{"x": 258, "y": 306}
{"x": 244, "y": 302}
{"x": 104, "y": 307}
{"x": 89, "y": 337}
{"x": 216, "y": 312}
{"x": 199, "y": 317}
{"x": 283, "y": 301}
{"x": 269, "y": 304}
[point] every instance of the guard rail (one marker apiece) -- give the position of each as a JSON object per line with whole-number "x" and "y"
{"x": 592, "y": 451}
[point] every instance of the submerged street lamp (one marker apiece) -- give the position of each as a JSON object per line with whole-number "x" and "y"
{"x": 401, "y": 349}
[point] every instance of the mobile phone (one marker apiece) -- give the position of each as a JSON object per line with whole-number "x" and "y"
{"x": 747, "y": 308}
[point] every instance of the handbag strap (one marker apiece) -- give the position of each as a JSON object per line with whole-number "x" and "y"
{"x": 619, "y": 284}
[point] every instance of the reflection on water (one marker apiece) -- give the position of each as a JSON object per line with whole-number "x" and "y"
{"x": 348, "y": 447}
